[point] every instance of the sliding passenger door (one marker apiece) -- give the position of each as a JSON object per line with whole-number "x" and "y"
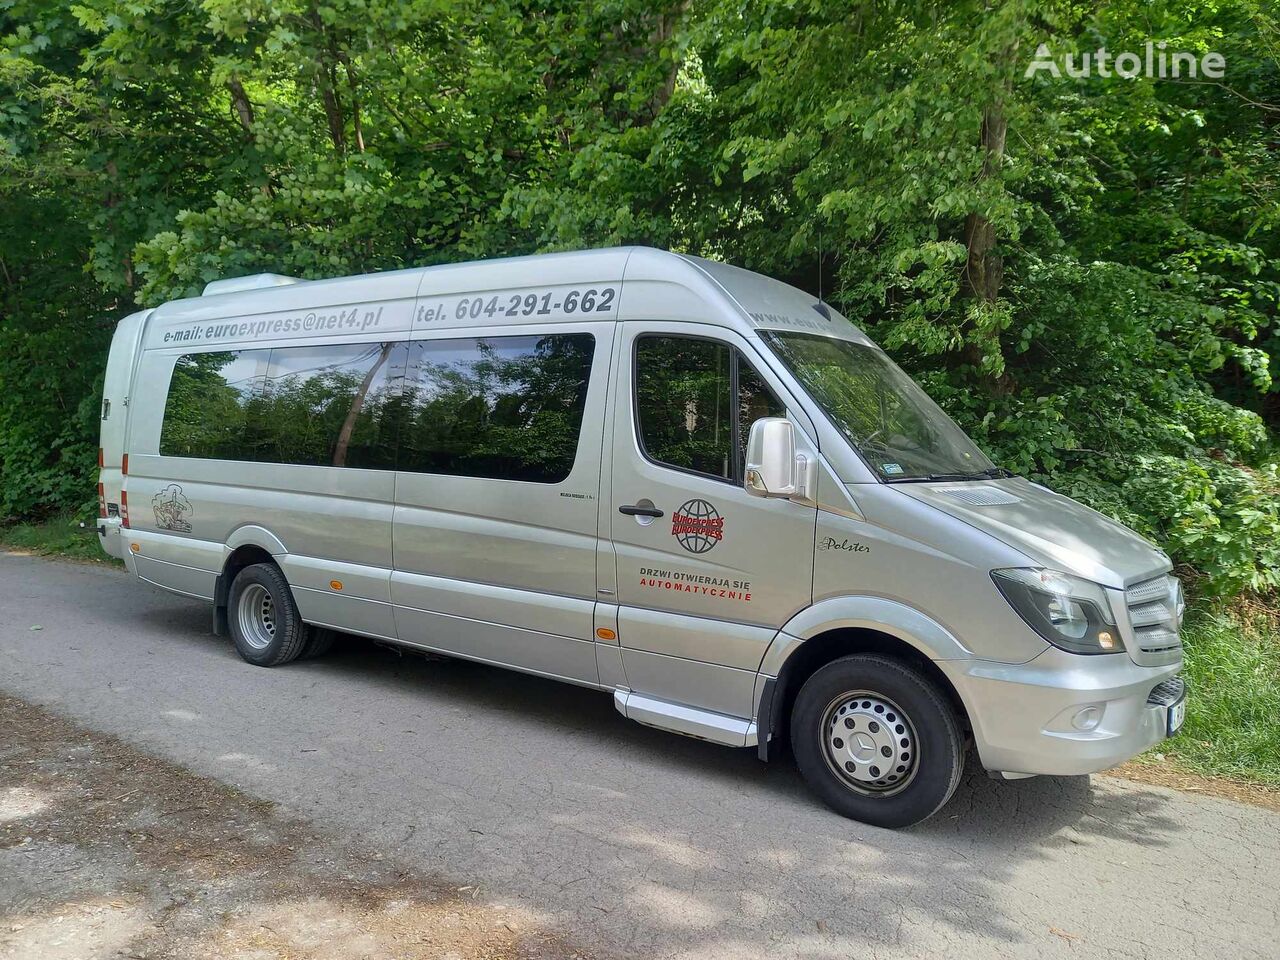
{"x": 497, "y": 490}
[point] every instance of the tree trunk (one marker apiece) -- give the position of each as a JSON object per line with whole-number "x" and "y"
{"x": 357, "y": 127}
{"x": 332, "y": 108}
{"x": 110, "y": 201}
{"x": 241, "y": 103}
{"x": 662, "y": 34}
{"x": 984, "y": 267}
{"x": 357, "y": 402}
{"x": 327, "y": 82}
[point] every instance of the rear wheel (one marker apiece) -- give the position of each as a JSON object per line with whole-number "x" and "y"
{"x": 264, "y": 620}
{"x": 320, "y": 642}
{"x": 877, "y": 740}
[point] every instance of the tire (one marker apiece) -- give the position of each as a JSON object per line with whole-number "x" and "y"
{"x": 263, "y": 618}
{"x": 906, "y": 753}
{"x": 319, "y": 643}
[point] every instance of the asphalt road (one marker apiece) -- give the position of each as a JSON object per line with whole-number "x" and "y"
{"x": 631, "y": 841}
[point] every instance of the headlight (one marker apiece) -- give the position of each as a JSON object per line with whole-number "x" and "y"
{"x": 1069, "y": 612}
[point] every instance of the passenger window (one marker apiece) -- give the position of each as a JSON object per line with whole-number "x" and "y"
{"x": 687, "y": 412}
{"x": 505, "y": 408}
{"x": 210, "y": 402}
{"x": 328, "y": 405}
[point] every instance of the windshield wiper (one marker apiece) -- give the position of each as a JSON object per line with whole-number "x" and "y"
{"x": 937, "y": 477}
{"x": 995, "y": 473}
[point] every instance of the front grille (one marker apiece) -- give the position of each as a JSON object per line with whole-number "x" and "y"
{"x": 1166, "y": 692}
{"x": 1147, "y": 591}
{"x": 1155, "y": 617}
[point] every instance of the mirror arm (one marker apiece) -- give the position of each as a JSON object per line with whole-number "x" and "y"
{"x": 803, "y": 467}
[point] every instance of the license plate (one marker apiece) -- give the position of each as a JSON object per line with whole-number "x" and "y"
{"x": 1177, "y": 713}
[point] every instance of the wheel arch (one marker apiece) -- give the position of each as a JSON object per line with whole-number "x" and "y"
{"x": 245, "y": 547}
{"x": 814, "y": 638}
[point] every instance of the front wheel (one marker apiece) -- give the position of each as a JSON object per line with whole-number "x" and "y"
{"x": 877, "y": 740}
{"x": 264, "y": 620}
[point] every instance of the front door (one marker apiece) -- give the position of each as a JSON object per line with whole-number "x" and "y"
{"x": 707, "y": 573}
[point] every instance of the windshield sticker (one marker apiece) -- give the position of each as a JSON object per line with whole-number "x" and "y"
{"x": 172, "y": 509}
{"x": 697, "y": 526}
{"x": 891, "y": 468}
{"x": 847, "y": 545}
{"x": 715, "y": 588}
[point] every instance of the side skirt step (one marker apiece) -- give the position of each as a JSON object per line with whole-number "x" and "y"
{"x": 690, "y": 721}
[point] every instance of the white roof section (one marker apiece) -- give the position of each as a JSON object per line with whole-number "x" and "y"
{"x": 253, "y": 282}
{"x": 623, "y": 283}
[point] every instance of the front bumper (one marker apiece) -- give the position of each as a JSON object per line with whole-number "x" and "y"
{"x": 1024, "y": 715}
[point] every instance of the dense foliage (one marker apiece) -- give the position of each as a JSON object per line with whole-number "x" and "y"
{"x": 1083, "y": 271}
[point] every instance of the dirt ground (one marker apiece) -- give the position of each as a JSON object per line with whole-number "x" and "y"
{"x": 1164, "y": 772}
{"x": 108, "y": 852}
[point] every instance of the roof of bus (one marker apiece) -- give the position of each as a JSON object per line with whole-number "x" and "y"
{"x": 620, "y": 283}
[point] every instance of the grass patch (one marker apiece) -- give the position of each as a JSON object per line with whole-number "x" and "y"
{"x": 59, "y": 536}
{"x": 1232, "y": 667}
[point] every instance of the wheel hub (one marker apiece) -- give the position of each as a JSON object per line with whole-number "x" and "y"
{"x": 257, "y": 616}
{"x": 869, "y": 742}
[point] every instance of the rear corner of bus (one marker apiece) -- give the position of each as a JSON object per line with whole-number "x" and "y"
{"x": 113, "y": 507}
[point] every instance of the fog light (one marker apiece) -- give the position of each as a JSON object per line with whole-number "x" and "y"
{"x": 1087, "y": 719}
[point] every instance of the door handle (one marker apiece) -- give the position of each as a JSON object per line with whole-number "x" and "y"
{"x": 635, "y": 510}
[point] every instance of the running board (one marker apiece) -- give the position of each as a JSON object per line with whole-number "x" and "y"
{"x": 690, "y": 721}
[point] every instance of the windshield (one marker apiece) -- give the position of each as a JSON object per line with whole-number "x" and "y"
{"x": 899, "y": 431}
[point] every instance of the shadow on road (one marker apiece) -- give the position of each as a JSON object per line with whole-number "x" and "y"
{"x": 657, "y": 838}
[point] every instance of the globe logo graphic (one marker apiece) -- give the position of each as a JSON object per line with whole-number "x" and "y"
{"x": 697, "y": 526}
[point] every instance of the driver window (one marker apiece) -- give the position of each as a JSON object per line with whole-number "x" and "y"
{"x": 755, "y": 402}
{"x": 695, "y": 401}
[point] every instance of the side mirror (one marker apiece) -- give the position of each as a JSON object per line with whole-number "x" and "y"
{"x": 773, "y": 469}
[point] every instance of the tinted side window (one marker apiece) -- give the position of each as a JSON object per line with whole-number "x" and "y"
{"x": 328, "y": 405}
{"x": 507, "y": 408}
{"x": 684, "y": 397}
{"x": 210, "y": 402}
{"x": 688, "y": 413}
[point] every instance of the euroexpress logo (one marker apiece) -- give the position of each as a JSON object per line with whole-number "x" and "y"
{"x": 697, "y": 526}
{"x": 352, "y": 319}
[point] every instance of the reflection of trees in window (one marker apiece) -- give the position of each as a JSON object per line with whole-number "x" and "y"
{"x": 686, "y": 407}
{"x": 878, "y": 407}
{"x": 505, "y": 407}
{"x": 327, "y": 405}
{"x": 207, "y": 406}
{"x": 683, "y": 389}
